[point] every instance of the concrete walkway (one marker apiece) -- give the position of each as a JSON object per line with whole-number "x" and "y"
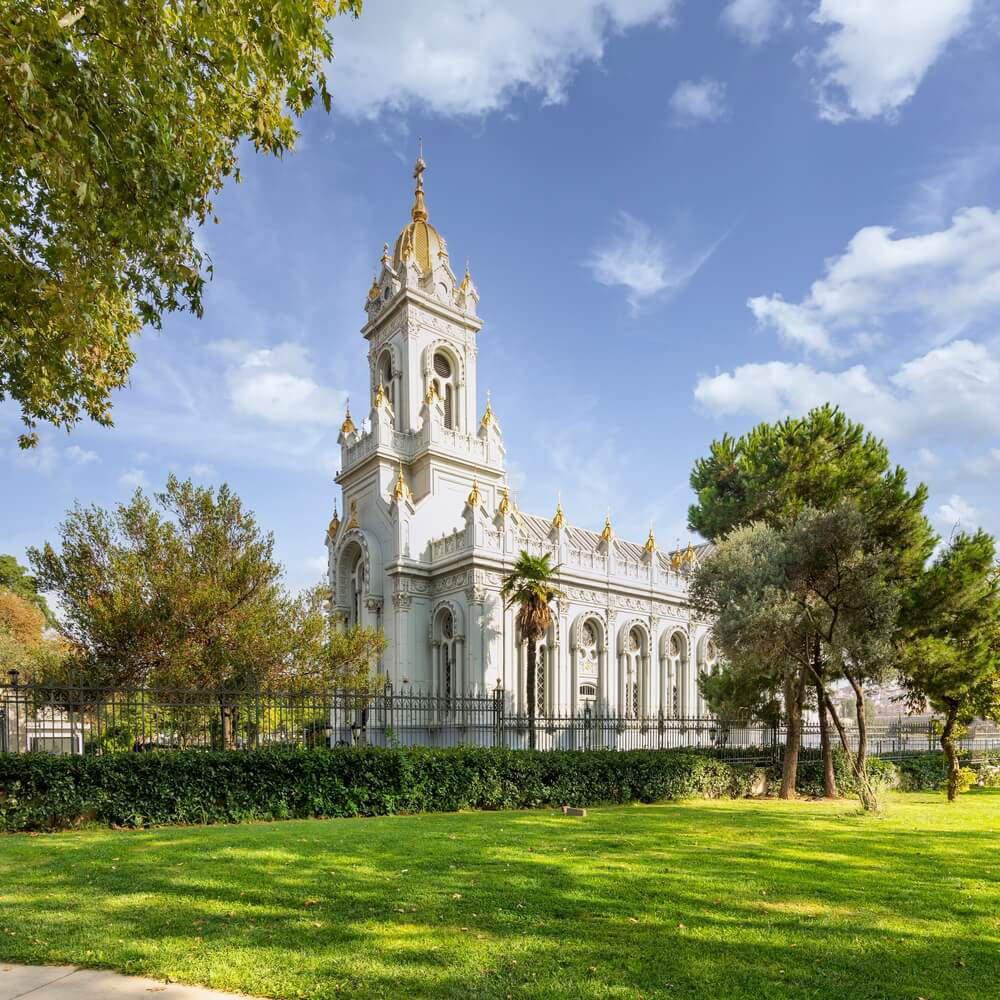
{"x": 66, "y": 982}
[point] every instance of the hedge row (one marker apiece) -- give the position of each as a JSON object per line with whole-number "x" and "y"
{"x": 44, "y": 792}
{"x": 918, "y": 772}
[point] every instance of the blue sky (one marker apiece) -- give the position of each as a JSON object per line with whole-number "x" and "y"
{"x": 682, "y": 218}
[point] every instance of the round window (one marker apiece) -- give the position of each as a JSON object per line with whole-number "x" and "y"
{"x": 442, "y": 366}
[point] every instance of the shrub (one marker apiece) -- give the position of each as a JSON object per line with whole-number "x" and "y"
{"x": 43, "y": 792}
{"x": 809, "y": 780}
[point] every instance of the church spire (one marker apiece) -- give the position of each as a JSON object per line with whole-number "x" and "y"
{"x": 419, "y": 212}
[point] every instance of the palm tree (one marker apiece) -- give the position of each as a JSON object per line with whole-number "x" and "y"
{"x": 529, "y": 586}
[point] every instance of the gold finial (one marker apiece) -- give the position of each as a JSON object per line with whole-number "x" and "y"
{"x": 400, "y": 491}
{"x": 504, "y": 506}
{"x": 488, "y": 414}
{"x": 419, "y": 212}
{"x": 689, "y": 556}
{"x": 676, "y": 557}
{"x": 385, "y": 254}
{"x": 374, "y": 292}
{"x": 474, "y": 498}
{"x": 334, "y": 525}
{"x": 347, "y": 427}
{"x": 606, "y": 533}
{"x": 559, "y": 520}
{"x": 380, "y": 396}
{"x": 353, "y": 523}
{"x": 650, "y": 545}
{"x": 467, "y": 280}
{"x": 431, "y": 394}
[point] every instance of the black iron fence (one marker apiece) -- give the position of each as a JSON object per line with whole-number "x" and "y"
{"x": 80, "y": 719}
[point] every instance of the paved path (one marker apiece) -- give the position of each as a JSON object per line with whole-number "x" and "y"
{"x": 66, "y": 982}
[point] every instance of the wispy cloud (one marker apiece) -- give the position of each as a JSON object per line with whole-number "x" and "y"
{"x": 644, "y": 265}
{"x": 755, "y": 21}
{"x": 695, "y": 102}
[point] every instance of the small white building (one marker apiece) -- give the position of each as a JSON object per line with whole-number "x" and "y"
{"x": 430, "y": 529}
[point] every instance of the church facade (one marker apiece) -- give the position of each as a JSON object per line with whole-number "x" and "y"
{"x": 428, "y": 529}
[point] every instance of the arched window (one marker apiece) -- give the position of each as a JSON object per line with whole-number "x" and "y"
{"x": 674, "y": 674}
{"x": 357, "y": 585}
{"x": 385, "y": 376}
{"x": 633, "y": 671}
{"x": 541, "y": 669}
{"x": 444, "y": 382}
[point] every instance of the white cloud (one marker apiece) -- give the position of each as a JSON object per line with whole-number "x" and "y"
{"x": 755, "y": 21}
{"x": 454, "y": 57}
{"x": 984, "y": 466}
{"x": 641, "y": 263}
{"x": 957, "y": 513}
{"x": 134, "y": 479}
{"x": 277, "y": 384}
{"x": 80, "y": 455}
{"x": 952, "y": 389}
{"x": 878, "y": 51}
{"x": 927, "y": 458}
{"x": 694, "y": 102}
{"x": 941, "y": 281}
{"x": 201, "y": 470}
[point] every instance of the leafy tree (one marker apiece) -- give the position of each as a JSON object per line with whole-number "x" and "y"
{"x": 15, "y": 578}
{"x": 183, "y": 591}
{"x": 951, "y": 653}
{"x": 24, "y": 648}
{"x": 529, "y": 586}
{"x": 118, "y": 124}
{"x": 775, "y": 593}
{"x": 822, "y": 460}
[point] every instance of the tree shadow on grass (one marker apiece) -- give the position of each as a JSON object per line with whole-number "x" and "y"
{"x": 722, "y": 900}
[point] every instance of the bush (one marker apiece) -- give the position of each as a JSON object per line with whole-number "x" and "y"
{"x": 44, "y": 792}
{"x": 809, "y": 780}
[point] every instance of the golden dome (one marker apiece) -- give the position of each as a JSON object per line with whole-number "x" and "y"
{"x": 334, "y": 525}
{"x": 347, "y": 427}
{"x": 419, "y": 239}
{"x": 607, "y": 532}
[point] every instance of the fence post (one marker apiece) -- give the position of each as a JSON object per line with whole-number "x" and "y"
{"x": 498, "y": 715}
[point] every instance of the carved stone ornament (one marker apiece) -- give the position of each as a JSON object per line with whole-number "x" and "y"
{"x": 402, "y": 602}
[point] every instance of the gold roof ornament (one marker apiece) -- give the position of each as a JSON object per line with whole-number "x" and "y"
{"x": 689, "y": 555}
{"x": 431, "y": 394}
{"x": 374, "y": 292}
{"x": 676, "y": 558}
{"x": 353, "y": 523}
{"x": 347, "y": 427}
{"x": 334, "y": 525}
{"x": 504, "y": 506}
{"x": 474, "y": 498}
{"x": 400, "y": 491}
{"x": 385, "y": 255}
{"x": 607, "y": 532}
{"x": 488, "y": 414}
{"x": 559, "y": 520}
{"x": 650, "y": 545}
{"x": 467, "y": 279}
{"x": 380, "y": 396}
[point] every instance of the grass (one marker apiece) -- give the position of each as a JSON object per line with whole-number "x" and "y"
{"x": 746, "y": 899}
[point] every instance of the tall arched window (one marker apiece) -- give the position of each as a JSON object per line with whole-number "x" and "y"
{"x": 633, "y": 673}
{"x": 541, "y": 669}
{"x": 385, "y": 376}
{"x": 357, "y": 585}
{"x": 444, "y": 382}
{"x": 675, "y": 664}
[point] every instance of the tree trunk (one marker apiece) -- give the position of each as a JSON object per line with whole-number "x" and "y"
{"x": 794, "y": 689}
{"x": 866, "y": 791}
{"x": 532, "y": 655}
{"x": 948, "y": 745}
{"x": 826, "y": 749}
{"x": 226, "y": 713}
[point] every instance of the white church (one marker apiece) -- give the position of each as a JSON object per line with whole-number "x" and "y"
{"x": 429, "y": 529}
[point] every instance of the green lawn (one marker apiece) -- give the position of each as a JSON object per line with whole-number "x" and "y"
{"x": 748, "y": 899}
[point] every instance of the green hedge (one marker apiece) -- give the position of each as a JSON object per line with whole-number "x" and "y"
{"x": 44, "y": 792}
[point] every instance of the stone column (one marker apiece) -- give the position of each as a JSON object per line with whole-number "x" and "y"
{"x": 401, "y": 651}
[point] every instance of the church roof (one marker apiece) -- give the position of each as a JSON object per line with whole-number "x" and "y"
{"x": 419, "y": 239}
{"x": 537, "y": 529}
